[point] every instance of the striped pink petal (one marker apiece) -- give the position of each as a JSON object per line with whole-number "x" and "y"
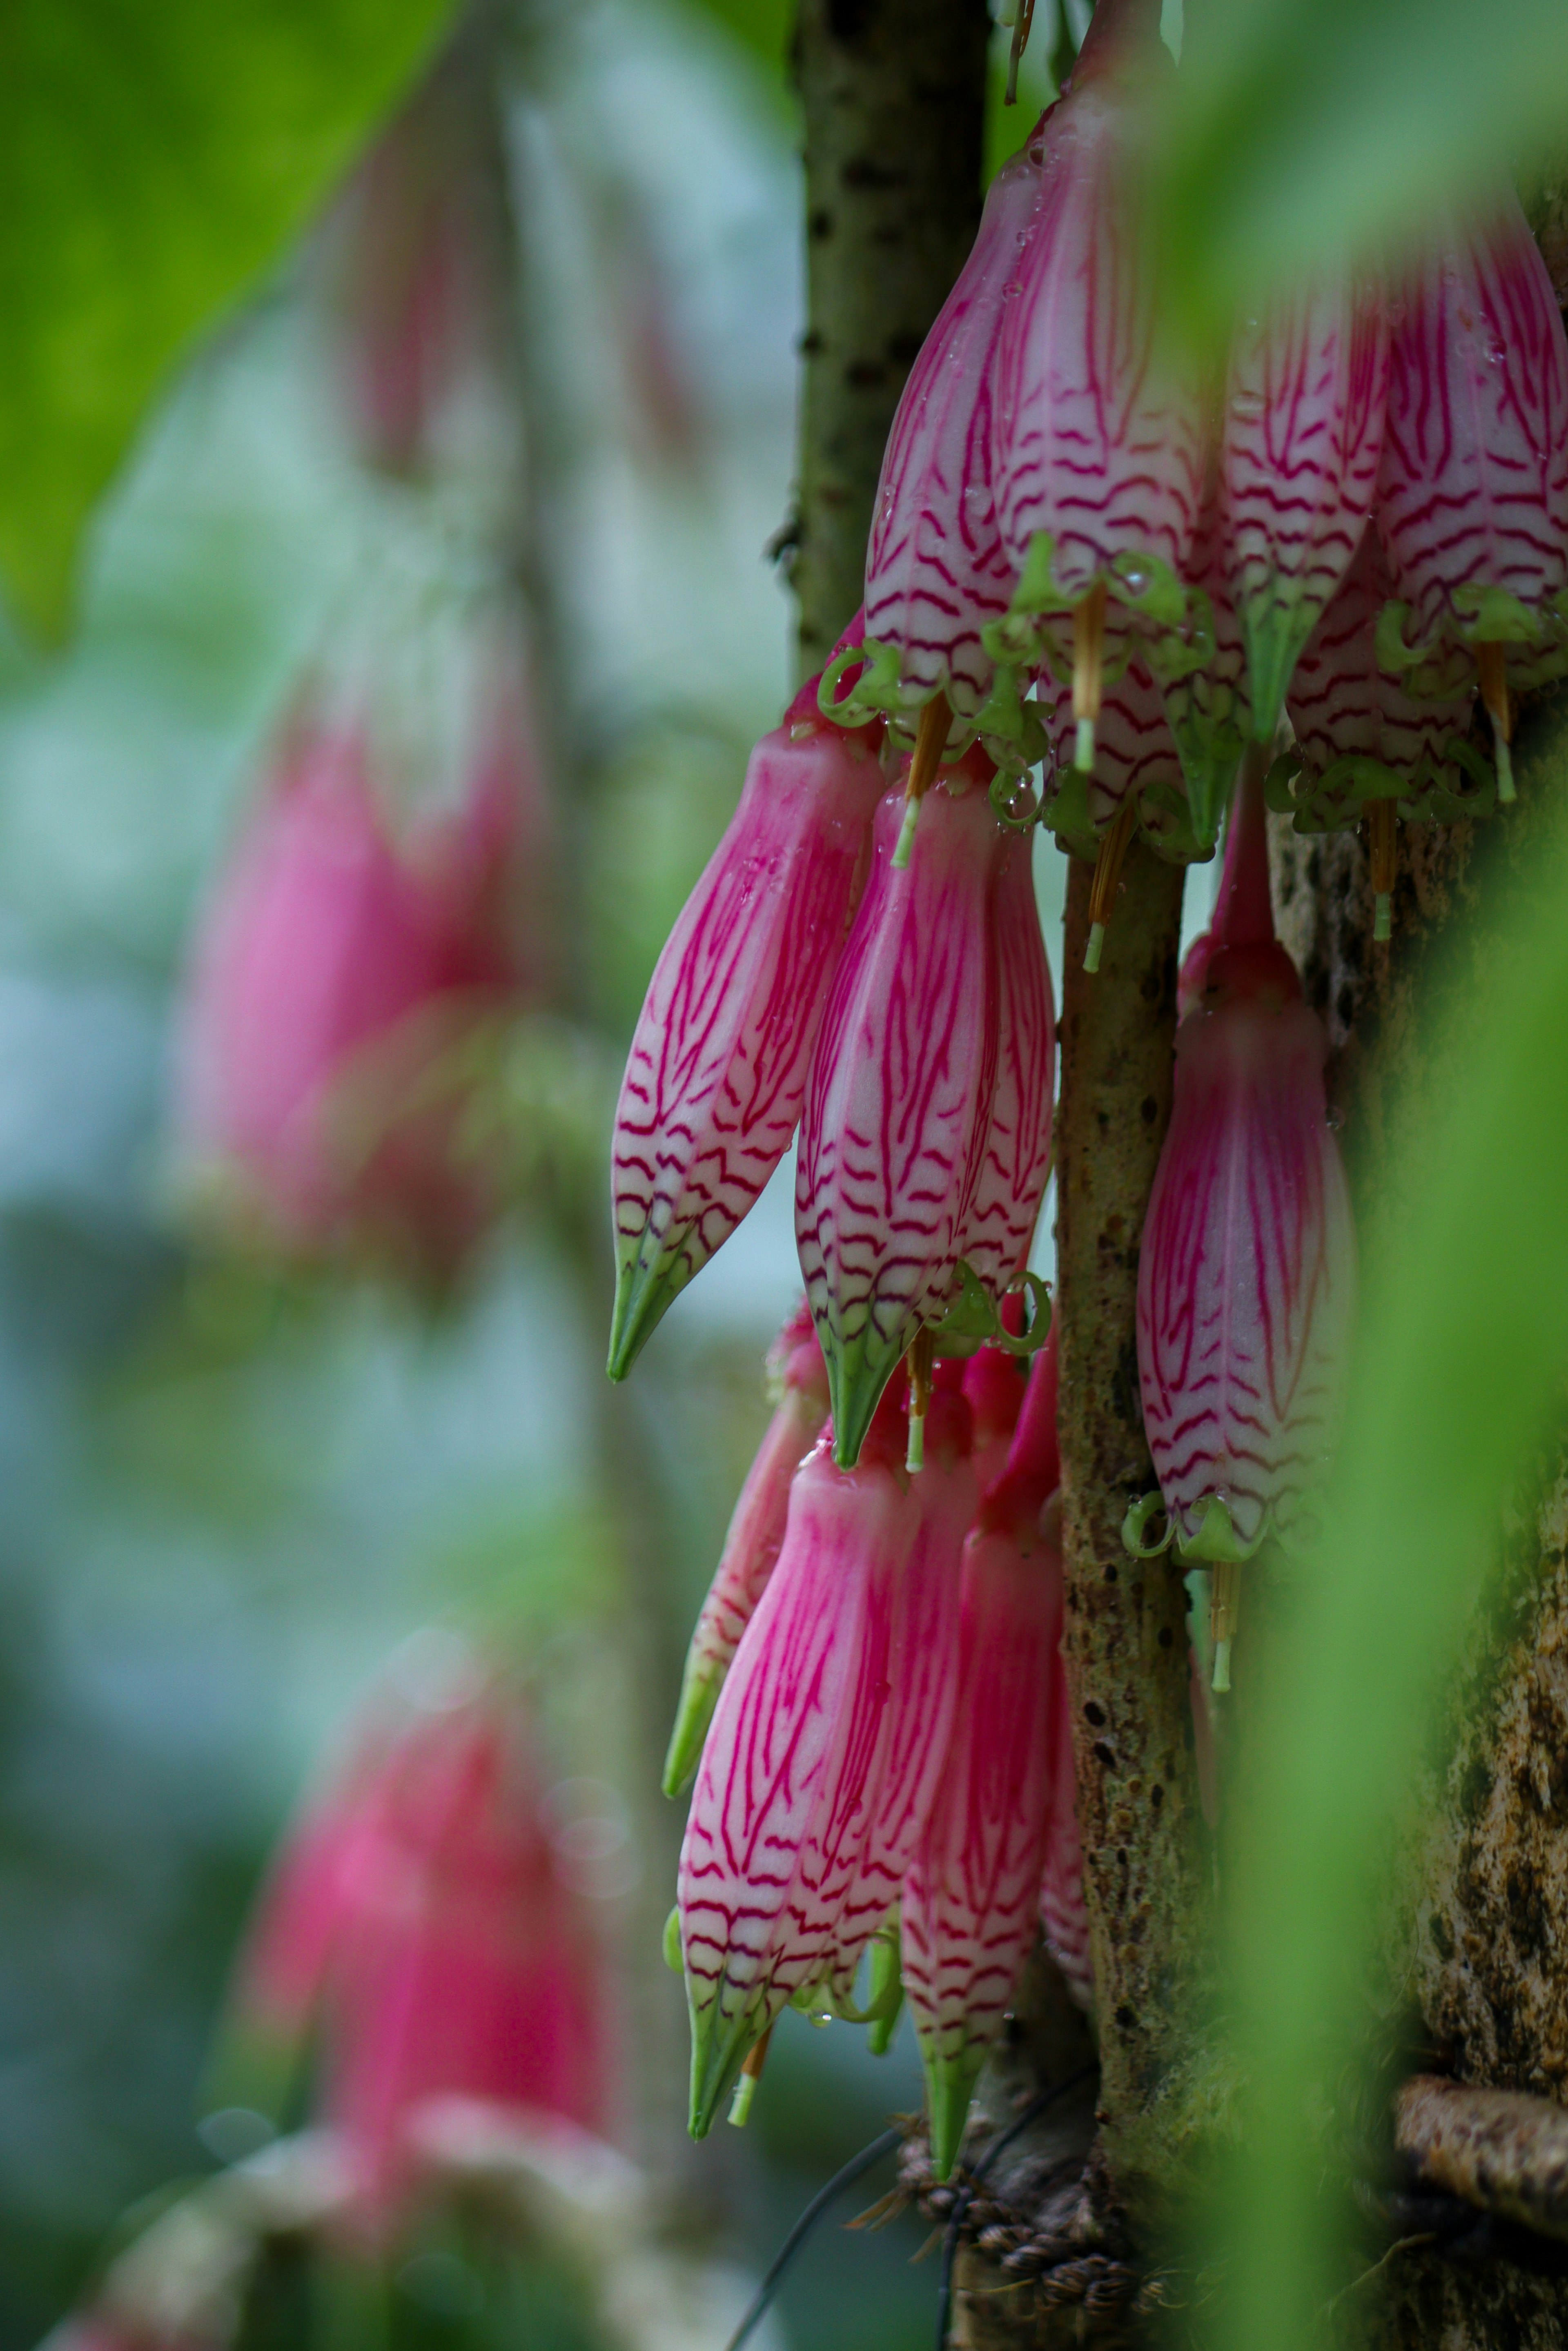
{"x": 718, "y": 1069}
{"x": 1016, "y": 1157}
{"x": 898, "y": 1106}
{"x": 970, "y": 1899}
{"x": 1473, "y": 492}
{"x": 935, "y": 569}
{"x": 1343, "y": 706}
{"x": 1305, "y": 405}
{"x": 752, "y": 1544}
{"x": 1246, "y": 1272}
{"x": 1209, "y": 707}
{"x": 1135, "y": 749}
{"x": 1062, "y": 1912}
{"x": 1097, "y": 440}
{"x": 794, "y": 1760}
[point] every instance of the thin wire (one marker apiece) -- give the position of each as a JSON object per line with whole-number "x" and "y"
{"x": 1037, "y": 2106}
{"x": 819, "y": 2204}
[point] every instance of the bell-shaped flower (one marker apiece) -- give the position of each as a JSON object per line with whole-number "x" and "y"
{"x": 1246, "y": 1271}
{"x": 1305, "y": 403}
{"x": 894, "y": 1182}
{"x": 1368, "y": 748}
{"x": 351, "y": 955}
{"x": 1097, "y": 453}
{"x": 935, "y": 568}
{"x": 969, "y": 1902}
{"x": 422, "y": 1923}
{"x": 718, "y": 1069}
{"x": 820, "y": 1764}
{"x": 1473, "y": 494}
{"x": 1062, "y": 1917}
{"x": 756, "y": 1533}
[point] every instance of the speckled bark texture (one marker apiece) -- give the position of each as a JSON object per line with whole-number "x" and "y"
{"x": 1125, "y": 1638}
{"x": 1478, "y": 1927}
{"x": 893, "y": 96}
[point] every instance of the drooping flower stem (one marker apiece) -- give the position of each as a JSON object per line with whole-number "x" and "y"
{"x": 1088, "y": 670}
{"x": 1382, "y": 857}
{"x": 930, "y": 737}
{"x": 1107, "y": 879}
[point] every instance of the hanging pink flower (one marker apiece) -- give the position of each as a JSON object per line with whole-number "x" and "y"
{"x": 421, "y": 1926}
{"x": 970, "y": 1899}
{"x": 1246, "y": 1272}
{"x": 894, "y": 1181}
{"x": 1063, "y": 1916}
{"x": 1097, "y": 451}
{"x": 752, "y": 1545}
{"x": 341, "y": 965}
{"x": 821, "y": 1763}
{"x": 994, "y": 1381}
{"x": 935, "y": 568}
{"x": 1305, "y": 404}
{"x": 1473, "y": 495}
{"x": 718, "y": 1069}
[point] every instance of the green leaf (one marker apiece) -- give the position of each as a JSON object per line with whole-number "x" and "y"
{"x": 1310, "y": 128}
{"x": 1464, "y": 1346}
{"x": 153, "y": 159}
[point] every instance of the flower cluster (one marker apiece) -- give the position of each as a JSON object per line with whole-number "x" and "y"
{"x": 884, "y": 988}
{"x": 1368, "y": 523}
{"x": 887, "y": 1763}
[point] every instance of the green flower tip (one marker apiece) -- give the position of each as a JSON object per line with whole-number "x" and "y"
{"x": 644, "y": 1294}
{"x": 857, "y": 1375}
{"x": 700, "y": 1686}
{"x": 949, "y": 2082}
{"x": 720, "y": 2046}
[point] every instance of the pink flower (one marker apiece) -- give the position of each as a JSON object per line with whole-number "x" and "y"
{"x": 752, "y": 1545}
{"x": 1097, "y": 443}
{"x": 1473, "y": 495}
{"x": 1367, "y": 746}
{"x": 820, "y": 1764}
{"x": 926, "y": 1129}
{"x": 419, "y": 1925}
{"x": 970, "y": 1899}
{"x": 1062, "y": 1917}
{"x": 1247, "y": 1273}
{"x": 935, "y": 568}
{"x": 994, "y": 1390}
{"x": 718, "y": 1065}
{"x": 339, "y": 969}
{"x": 1304, "y": 410}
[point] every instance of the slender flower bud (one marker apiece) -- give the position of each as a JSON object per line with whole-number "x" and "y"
{"x": 1368, "y": 748}
{"x": 935, "y": 568}
{"x": 1097, "y": 437}
{"x": 1247, "y": 1273}
{"x": 1473, "y": 494}
{"x": 894, "y": 1186}
{"x": 1304, "y": 410}
{"x": 821, "y": 1765}
{"x": 718, "y": 1065}
{"x": 969, "y": 1901}
{"x": 752, "y": 1545}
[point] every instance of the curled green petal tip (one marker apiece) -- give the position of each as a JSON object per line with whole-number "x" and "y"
{"x": 643, "y": 1292}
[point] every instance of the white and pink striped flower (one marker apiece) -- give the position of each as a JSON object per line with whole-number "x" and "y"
{"x": 925, "y": 1135}
{"x": 1246, "y": 1274}
{"x": 718, "y": 1069}
{"x": 752, "y": 1544}
{"x": 970, "y": 1903}
{"x": 820, "y": 1764}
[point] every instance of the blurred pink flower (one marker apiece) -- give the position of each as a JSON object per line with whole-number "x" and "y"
{"x": 339, "y": 966}
{"x": 418, "y": 1924}
{"x": 752, "y": 1544}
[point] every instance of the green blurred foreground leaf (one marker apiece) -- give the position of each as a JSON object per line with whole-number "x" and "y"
{"x": 152, "y": 159}
{"x": 1465, "y": 1340}
{"x": 1309, "y": 128}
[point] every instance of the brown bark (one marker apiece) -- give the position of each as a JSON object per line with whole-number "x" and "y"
{"x": 893, "y": 95}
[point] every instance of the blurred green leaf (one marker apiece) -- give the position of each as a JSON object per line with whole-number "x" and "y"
{"x": 763, "y": 27}
{"x": 153, "y": 162}
{"x": 1308, "y": 128}
{"x": 1464, "y": 1341}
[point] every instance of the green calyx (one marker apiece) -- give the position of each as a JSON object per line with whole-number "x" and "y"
{"x": 1275, "y": 627}
{"x": 674, "y": 1958}
{"x": 1141, "y": 581}
{"x": 974, "y": 1319}
{"x": 700, "y": 1686}
{"x": 1440, "y": 790}
{"x": 949, "y": 2086}
{"x": 720, "y": 2047}
{"x": 1148, "y": 1529}
{"x": 858, "y": 1371}
{"x": 646, "y": 1286}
